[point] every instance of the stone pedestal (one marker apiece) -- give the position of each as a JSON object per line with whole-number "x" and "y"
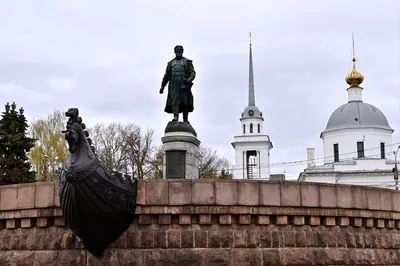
{"x": 181, "y": 149}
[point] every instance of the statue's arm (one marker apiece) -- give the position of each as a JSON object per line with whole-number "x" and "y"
{"x": 192, "y": 75}
{"x": 166, "y": 77}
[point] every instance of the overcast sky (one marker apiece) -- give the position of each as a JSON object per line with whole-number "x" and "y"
{"x": 108, "y": 58}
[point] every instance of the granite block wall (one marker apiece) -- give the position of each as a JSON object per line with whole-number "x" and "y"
{"x": 214, "y": 222}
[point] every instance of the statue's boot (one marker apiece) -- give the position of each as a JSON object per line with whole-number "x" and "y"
{"x": 185, "y": 117}
{"x": 175, "y": 110}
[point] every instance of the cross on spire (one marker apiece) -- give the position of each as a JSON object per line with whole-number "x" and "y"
{"x": 250, "y": 38}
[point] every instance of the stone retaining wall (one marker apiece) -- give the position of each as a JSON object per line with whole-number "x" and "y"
{"x": 214, "y": 222}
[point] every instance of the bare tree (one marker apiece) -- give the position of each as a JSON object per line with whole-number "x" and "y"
{"x": 157, "y": 163}
{"x": 139, "y": 151}
{"x": 124, "y": 148}
{"x": 211, "y": 165}
{"x": 130, "y": 150}
{"x": 109, "y": 143}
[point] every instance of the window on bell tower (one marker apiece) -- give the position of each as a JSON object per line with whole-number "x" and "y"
{"x": 259, "y": 128}
{"x": 251, "y": 128}
{"x": 244, "y": 129}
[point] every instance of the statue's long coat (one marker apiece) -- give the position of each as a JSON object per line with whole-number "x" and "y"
{"x": 189, "y": 74}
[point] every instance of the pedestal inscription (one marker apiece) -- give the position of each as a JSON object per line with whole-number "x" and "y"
{"x": 175, "y": 164}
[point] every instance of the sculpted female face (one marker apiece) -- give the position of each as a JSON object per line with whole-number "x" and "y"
{"x": 178, "y": 51}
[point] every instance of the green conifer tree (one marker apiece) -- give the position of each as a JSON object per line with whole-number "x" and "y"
{"x": 14, "y": 146}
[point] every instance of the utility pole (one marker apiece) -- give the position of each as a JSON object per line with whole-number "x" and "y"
{"x": 395, "y": 169}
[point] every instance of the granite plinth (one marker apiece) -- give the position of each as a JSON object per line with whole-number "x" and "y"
{"x": 181, "y": 151}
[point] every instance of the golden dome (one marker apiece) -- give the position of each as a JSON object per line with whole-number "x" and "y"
{"x": 354, "y": 78}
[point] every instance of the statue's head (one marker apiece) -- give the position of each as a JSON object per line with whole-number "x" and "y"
{"x": 178, "y": 50}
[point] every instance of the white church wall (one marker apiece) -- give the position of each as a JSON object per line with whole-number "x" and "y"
{"x": 331, "y": 179}
{"x": 367, "y": 180}
{"x": 365, "y": 165}
{"x": 354, "y": 94}
{"x": 348, "y": 138}
{"x": 239, "y": 164}
{"x": 349, "y": 163}
{"x": 383, "y": 181}
{"x": 264, "y": 156}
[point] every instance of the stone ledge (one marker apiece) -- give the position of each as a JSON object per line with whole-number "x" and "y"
{"x": 256, "y": 193}
{"x": 32, "y": 213}
{"x": 291, "y": 211}
{"x": 221, "y": 193}
{"x": 269, "y": 193}
{"x": 170, "y": 216}
{"x": 29, "y": 196}
{"x": 254, "y": 220}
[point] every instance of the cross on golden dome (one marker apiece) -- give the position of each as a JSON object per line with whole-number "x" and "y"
{"x": 354, "y": 78}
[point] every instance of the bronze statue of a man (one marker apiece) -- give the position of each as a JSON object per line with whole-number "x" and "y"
{"x": 180, "y": 75}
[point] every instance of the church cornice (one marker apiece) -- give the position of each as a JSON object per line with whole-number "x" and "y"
{"x": 248, "y": 118}
{"x": 355, "y": 129}
{"x": 259, "y": 143}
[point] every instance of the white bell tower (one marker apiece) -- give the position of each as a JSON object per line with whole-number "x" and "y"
{"x": 252, "y": 146}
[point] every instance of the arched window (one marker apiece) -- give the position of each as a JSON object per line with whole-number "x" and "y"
{"x": 259, "y": 128}
{"x": 244, "y": 129}
{"x": 251, "y": 128}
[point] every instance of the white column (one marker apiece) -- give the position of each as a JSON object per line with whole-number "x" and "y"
{"x": 244, "y": 165}
{"x": 259, "y": 163}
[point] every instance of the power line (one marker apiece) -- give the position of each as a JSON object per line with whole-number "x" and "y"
{"x": 300, "y": 162}
{"x": 326, "y": 157}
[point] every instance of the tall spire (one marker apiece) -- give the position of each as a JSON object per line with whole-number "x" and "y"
{"x": 252, "y": 101}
